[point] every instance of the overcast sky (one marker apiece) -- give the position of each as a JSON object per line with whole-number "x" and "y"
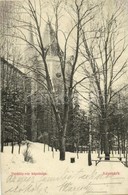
{"x": 66, "y": 23}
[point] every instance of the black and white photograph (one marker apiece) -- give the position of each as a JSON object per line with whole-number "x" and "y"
{"x": 64, "y": 97}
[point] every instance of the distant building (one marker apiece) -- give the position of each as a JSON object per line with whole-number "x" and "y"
{"x": 15, "y": 90}
{"x": 42, "y": 116}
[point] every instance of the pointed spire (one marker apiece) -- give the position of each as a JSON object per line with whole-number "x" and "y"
{"x": 31, "y": 52}
{"x": 49, "y": 39}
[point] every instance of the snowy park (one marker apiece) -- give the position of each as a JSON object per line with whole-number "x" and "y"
{"x": 64, "y": 97}
{"x": 47, "y": 175}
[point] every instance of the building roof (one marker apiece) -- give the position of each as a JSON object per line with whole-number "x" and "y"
{"x": 4, "y": 61}
{"x": 49, "y": 40}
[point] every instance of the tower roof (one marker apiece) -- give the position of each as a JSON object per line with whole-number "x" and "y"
{"x": 49, "y": 40}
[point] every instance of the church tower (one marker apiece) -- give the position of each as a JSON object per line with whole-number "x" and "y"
{"x": 50, "y": 44}
{"x": 39, "y": 96}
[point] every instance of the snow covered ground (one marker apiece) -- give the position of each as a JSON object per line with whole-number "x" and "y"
{"x": 49, "y": 176}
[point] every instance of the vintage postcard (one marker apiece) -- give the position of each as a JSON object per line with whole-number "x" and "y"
{"x": 64, "y": 97}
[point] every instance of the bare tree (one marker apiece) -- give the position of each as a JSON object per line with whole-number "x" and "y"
{"x": 104, "y": 47}
{"x": 76, "y": 13}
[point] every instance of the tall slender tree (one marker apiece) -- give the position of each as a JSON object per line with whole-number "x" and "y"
{"x": 104, "y": 47}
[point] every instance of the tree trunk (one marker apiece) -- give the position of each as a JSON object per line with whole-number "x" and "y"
{"x": 2, "y": 135}
{"x": 19, "y": 147}
{"x": 118, "y": 143}
{"x": 89, "y": 151}
{"x": 106, "y": 141}
{"x": 124, "y": 147}
{"x": 127, "y": 149}
{"x": 44, "y": 146}
{"x": 77, "y": 148}
{"x": 62, "y": 148}
{"x": 89, "y": 156}
{"x": 99, "y": 149}
{"x": 102, "y": 144}
{"x": 12, "y": 141}
{"x": 12, "y": 147}
{"x": 107, "y": 154}
{"x": 92, "y": 144}
{"x": 2, "y": 141}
